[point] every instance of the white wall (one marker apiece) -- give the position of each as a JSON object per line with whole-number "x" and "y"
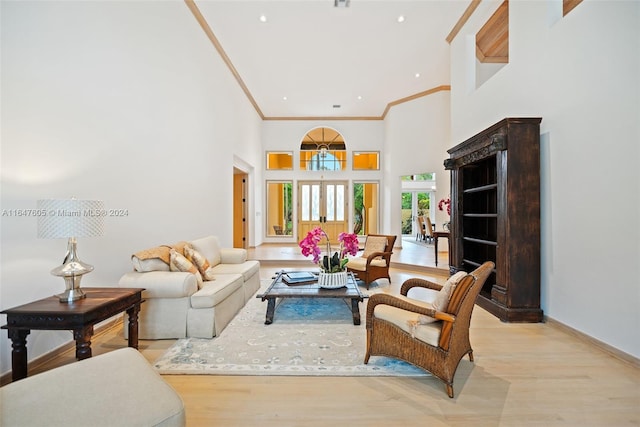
{"x": 580, "y": 74}
{"x": 127, "y": 102}
{"x": 416, "y": 141}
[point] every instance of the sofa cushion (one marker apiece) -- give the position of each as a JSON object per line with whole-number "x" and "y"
{"x": 212, "y": 293}
{"x": 247, "y": 269}
{"x": 209, "y": 247}
{"x": 233, "y": 255}
{"x": 200, "y": 262}
{"x": 181, "y": 263}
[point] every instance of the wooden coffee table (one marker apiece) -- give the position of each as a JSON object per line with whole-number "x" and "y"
{"x": 280, "y": 289}
{"x": 79, "y": 316}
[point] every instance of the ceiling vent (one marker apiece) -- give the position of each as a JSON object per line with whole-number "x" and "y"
{"x": 341, "y": 3}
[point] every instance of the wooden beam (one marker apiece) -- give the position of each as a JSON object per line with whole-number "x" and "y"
{"x": 463, "y": 20}
{"x": 205, "y": 26}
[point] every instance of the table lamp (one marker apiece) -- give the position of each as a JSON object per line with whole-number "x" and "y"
{"x": 70, "y": 219}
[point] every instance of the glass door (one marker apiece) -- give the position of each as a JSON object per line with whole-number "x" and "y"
{"x": 414, "y": 204}
{"x": 323, "y": 204}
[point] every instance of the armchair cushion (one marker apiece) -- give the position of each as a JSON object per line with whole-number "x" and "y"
{"x": 441, "y": 301}
{"x": 374, "y": 244}
{"x": 406, "y": 320}
{"x": 360, "y": 263}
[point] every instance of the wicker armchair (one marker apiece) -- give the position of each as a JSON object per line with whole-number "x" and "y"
{"x": 436, "y": 347}
{"x": 375, "y": 260}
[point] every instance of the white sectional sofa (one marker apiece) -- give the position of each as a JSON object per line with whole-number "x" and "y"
{"x": 179, "y": 304}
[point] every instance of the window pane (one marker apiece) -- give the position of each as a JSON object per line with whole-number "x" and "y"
{"x": 331, "y": 203}
{"x": 366, "y": 160}
{"x": 305, "y": 203}
{"x": 278, "y": 160}
{"x": 315, "y": 202}
{"x": 340, "y": 202}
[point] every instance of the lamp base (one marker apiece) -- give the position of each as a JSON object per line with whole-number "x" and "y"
{"x": 72, "y": 270}
{"x": 71, "y": 295}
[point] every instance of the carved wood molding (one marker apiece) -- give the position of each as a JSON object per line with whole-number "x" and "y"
{"x": 493, "y": 144}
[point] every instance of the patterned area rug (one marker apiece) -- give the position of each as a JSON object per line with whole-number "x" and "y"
{"x": 307, "y": 337}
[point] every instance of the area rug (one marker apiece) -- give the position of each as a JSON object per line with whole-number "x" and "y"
{"x": 307, "y": 337}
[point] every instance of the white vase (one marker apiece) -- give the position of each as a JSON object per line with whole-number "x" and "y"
{"x": 332, "y": 280}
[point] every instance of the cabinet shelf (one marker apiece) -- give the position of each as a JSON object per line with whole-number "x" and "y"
{"x": 480, "y": 215}
{"x": 495, "y": 195}
{"x": 481, "y": 188}
{"x": 481, "y": 241}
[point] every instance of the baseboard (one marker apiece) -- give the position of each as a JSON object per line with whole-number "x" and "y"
{"x": 34, "y": 364}
{"x": 618, "y": 354}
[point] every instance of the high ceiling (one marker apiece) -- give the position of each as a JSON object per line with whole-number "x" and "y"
{"x": 319, "y": 56}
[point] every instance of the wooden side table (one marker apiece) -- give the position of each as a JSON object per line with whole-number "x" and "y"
{"x": 79, "y": 316}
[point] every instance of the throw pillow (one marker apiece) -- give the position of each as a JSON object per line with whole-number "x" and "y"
{"x": 374, "y": 244}
{"x": 200, "y": 262}
{"x": 179, "y": 263}
{"x": 441, "y": 301}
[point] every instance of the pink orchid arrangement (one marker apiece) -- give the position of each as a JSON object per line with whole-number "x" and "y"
{"x": 330, "y": 263}
{"x": 445, "y": 202}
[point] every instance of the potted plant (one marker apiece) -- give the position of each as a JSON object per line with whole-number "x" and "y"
{"x": 332, "y": 266}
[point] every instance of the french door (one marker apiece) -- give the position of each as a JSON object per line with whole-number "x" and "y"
{"x": 323, "y": 204}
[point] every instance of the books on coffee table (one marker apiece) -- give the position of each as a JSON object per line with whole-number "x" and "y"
{"x": 298, "y": 277}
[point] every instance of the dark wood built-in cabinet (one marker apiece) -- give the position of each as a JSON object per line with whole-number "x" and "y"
{"x": 495, "y": 215}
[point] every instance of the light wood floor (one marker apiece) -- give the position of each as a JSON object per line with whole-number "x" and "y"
{"x": 523, "y": 375}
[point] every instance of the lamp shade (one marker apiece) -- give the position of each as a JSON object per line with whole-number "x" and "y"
{"x": 65, "y": 218}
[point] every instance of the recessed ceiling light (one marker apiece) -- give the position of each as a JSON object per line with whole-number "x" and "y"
{"x": 359, "y": 97}
{"x": 401, "y": 19}
{"x": 284, "y": 98}
{"x": 263, "y": 18}
{"x": 417, "y": 75}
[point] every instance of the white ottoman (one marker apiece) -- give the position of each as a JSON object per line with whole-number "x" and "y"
{"x": 119, "y": 388}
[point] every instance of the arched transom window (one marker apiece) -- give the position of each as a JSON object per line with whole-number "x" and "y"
{"x": 323, "y": 149}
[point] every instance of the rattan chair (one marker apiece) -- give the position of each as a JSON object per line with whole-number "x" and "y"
{"x": 436, "y": 347}
{"x": 375, "y": 260}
